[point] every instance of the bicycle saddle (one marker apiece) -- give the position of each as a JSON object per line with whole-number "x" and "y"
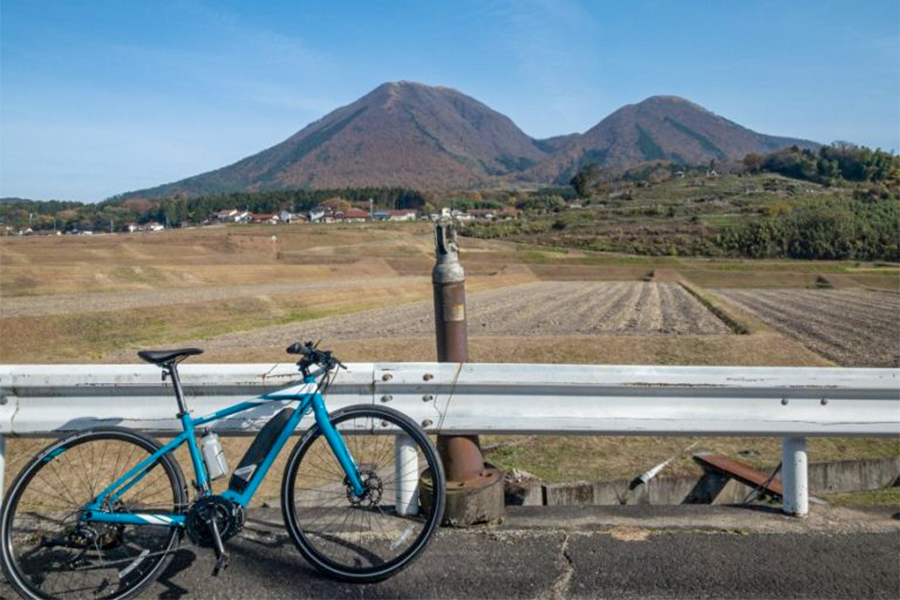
{"x": 164, "y": 357}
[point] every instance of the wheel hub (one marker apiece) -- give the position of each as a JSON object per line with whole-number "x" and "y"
{"x": 373, "y": 489}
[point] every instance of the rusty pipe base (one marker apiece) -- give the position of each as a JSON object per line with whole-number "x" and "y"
{"x": 479, "y": 501}
{"x": 474, "y": 488}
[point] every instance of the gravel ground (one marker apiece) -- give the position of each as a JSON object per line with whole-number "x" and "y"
{"x": 854, "y": 328}
{"x": 28, "y": 306}
{"x": 540, "y": 308}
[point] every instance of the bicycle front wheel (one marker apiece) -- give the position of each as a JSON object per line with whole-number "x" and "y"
{"x": 372, "y": 537}
{"x": 48, "y": 551}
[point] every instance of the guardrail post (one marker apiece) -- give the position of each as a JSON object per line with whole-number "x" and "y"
{"x": 2, "y": 468}
{"x": 406, "y": 469}
{"x": 474, "y": 489}
{"x": 794, "y": 469}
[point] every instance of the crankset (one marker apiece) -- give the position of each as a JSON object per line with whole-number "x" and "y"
{"x": 210, "y": 522}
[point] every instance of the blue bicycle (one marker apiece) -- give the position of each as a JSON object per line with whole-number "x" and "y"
{"x": 100, "y": 513}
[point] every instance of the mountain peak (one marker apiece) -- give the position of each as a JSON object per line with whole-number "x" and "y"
{"x": 667, "y": 98}
{"x": 405, "y": 85}
{"x": 671, "y": 101}
{"x": 410, "y": 134}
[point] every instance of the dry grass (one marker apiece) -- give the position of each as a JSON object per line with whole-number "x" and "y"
{"x": 374, "y": 266}
{"x": 594, "y": 458}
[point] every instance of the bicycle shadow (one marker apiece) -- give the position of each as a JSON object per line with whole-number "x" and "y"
{"x": 183, "y": 560}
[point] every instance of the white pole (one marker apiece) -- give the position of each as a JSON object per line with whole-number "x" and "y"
{"x": 406, "y": 472}
{"x": 796, "y": 487}
{"x": 2, "y": 468}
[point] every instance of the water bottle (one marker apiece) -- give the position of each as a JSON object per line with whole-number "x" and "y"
{"x": 213, "y": 456}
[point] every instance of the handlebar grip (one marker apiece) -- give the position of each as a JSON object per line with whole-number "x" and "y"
{"x": 298, "y": 348}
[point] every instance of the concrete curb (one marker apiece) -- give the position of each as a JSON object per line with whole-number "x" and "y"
{"x": 827, "y": 477}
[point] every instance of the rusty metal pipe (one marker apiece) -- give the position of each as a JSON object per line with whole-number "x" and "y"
{"x": 461, "y": 454}
{"x": 475, "y": 493}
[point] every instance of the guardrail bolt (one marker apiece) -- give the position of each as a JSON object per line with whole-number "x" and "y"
{"x": 428, "y": 377}
{"x": 474, "y": 489}
{"x": 427, "y": 423}
{"x": 3, "y": 400}
{"x": 387, "y": 398}
{"x": 824, "y": 401}
{"x": 784, "y": 401}
{"x": 387, "y": 377}
{"x": 427, "y": 398}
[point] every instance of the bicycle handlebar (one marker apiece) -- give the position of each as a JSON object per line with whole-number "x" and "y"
{"x": 313, "y": 356}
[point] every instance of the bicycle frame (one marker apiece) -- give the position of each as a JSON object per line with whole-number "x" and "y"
{"x": 309, "y": 399}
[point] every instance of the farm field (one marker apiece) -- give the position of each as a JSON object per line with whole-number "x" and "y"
{"x": 538, "y": 308}
{"x": 852, "y": 327}
{"x": 365, "y": 290}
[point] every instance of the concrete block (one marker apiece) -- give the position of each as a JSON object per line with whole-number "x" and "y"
{"x": 524, "y": 494}
{"x": 569, "y": 494}
{"x": 854, "y": 475}
{"x": 670, "y": 490}
{"x": 612, "y": 493}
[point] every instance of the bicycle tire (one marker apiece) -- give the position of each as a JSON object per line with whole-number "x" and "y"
{"x": 98, "y": 561}
{"x": 324, "y": 494}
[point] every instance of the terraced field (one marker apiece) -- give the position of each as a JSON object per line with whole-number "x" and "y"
{"x": 853, "y": 327}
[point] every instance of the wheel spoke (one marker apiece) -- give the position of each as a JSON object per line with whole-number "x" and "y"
{"x": 361, "y": 538}
{"x": 52, "y": 553}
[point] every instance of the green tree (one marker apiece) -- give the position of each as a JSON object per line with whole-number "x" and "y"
{"x": 584, "y": 180}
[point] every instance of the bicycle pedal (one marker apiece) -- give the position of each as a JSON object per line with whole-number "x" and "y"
{"x": 221, "y": 565}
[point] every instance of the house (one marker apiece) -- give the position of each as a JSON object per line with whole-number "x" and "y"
{"x": 321, "y": 214}
{"x": 228, "y": 214}
{"x": 402, "y": 215}
{"x": 132, "y": 227}
{"x": 151, "y": 226}
{"x": 286, "y": 216}
{"x": 487, "y": 214}
{"x": 355, "y": 215}
{"x": 460, "y": 215}
{"x": 265, "y": 218}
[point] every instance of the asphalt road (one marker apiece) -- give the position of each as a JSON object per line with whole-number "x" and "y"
{"x": 596, "y": 552}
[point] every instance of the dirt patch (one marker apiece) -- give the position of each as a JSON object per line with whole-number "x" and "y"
{"x": 630, "y": 534}
{"x": 854, "y": 328}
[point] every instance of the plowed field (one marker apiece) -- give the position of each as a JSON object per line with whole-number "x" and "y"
{"x": 854, "y": 328}
{"x": 540, "y": 308}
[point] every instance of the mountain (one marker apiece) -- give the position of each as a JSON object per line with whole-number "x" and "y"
{"x": 412, "y": 135}
{"x": 659, "y": 128}
{"x": 400, "y": 134}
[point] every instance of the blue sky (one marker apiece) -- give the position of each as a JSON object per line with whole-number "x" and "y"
{"x": 98, "y": 98}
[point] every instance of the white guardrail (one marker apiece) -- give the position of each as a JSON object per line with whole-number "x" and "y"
{"x": 792, "y": 403}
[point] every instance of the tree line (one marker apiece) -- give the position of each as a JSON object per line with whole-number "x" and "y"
{"x": 831, "y": 229}
{"x": 115, "y": 213}
{"x": 829, "y": 164}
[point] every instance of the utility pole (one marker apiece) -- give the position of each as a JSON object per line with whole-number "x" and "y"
{"x": 474, "y": 489}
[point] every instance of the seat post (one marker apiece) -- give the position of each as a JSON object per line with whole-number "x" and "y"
{"x": 176, "y": 383}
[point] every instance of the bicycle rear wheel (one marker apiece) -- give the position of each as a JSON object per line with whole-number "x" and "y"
{"x": 48, "y": 552}
{"x": 373, "y": 537}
